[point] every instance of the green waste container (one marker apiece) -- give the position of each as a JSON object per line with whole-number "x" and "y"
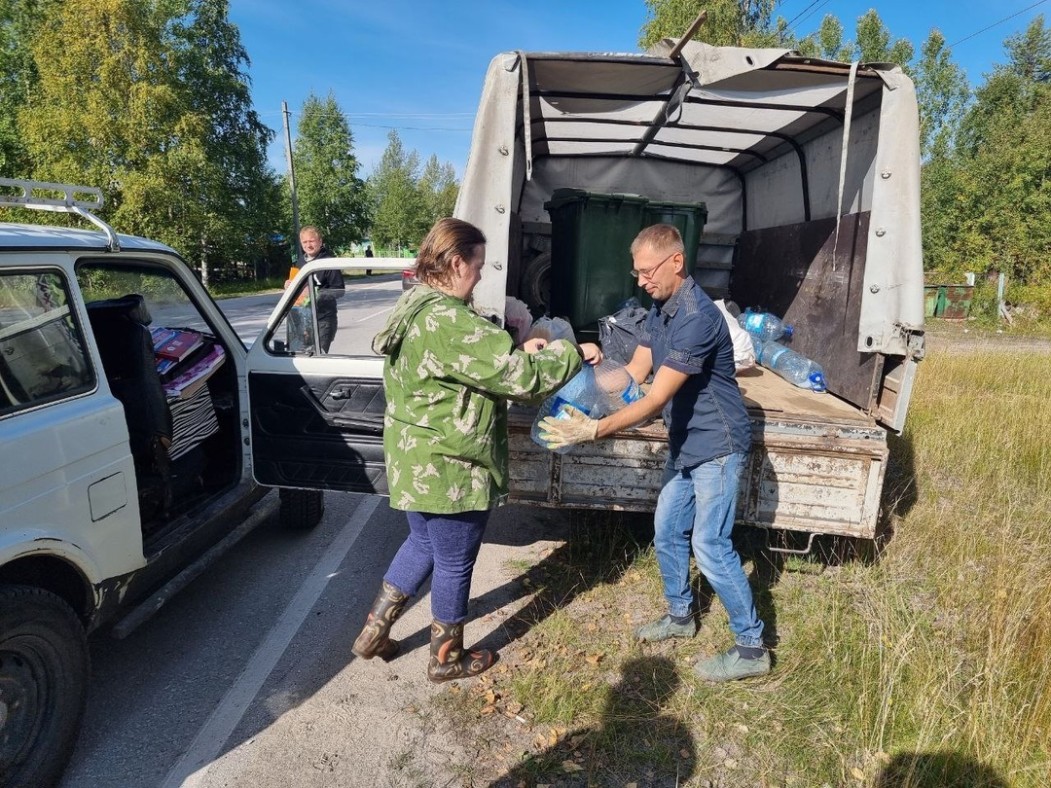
{"x": 591, "y": 235}
{"x": 689, "y": 219}
{"x": 930, "y": 299}
{"x": 957, "y": 301}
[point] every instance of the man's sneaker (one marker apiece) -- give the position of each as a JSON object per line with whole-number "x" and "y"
{"x": 664, "y": 628}
{"x": 730, "y": 666}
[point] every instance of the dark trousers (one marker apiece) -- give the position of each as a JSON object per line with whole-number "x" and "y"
{"x": 326, "y": 327}
{"x": 446, "y": 545}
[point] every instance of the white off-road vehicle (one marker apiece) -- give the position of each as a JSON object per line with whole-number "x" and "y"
{"x": 123, "y": 474}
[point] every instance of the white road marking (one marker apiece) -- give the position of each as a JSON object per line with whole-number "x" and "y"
{"x": 192, "y": 768}
{"x": 374, "y": 314}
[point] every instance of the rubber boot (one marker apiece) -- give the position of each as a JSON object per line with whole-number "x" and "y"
{"x": 373, "y": 640}
{"x": 449, "y": 660}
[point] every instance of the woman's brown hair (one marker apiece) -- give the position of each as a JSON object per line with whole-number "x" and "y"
{"x": 447, "y": 239}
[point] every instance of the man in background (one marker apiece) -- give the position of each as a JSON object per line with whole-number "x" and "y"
{"x": 328, "y": 286}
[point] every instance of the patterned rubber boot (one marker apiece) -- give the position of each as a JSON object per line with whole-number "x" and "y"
{"x": 373, "y": 640}
{"x": 449, "y": 660}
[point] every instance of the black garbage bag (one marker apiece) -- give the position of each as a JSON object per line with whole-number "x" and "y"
{"x": 619, "y": 333}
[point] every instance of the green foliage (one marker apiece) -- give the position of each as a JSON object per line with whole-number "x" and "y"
{"x": 828, "y": 42}
{"x": 406, "y": 201}
{"x": 874, "y": 44}
{"x": 149, "y": 102}
{"x": 399, "y": 210}
{"x": 745, "y": 23}
{"x": 438, "y": 190}
{"x": 19, "y": 19}
{"x": 942, "y": 92}
{"x": 987, "y": 201}
{"x": 330, "y": 193}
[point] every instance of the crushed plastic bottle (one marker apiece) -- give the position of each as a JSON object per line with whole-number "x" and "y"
{"x": 793, "y": 367}
{"x": 764, "y": 325}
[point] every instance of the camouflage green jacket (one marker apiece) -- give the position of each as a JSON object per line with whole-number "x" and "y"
{"x": 447, "y": 377}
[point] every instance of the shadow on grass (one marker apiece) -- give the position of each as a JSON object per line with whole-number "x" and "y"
{"x": 937, "y": 770}
{"x": 601, "y": 546}
{"x": 633, "y": 739}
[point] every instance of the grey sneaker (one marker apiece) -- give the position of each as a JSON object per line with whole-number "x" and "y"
{"x": 730, "y": 666}
{"x": 664, "y": 628}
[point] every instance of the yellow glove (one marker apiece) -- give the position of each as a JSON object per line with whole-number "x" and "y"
{"x": 571, "y": 427}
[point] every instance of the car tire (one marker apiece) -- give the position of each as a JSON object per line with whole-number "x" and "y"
{"x": 44, "y": 668}
{"x": 301, "y": 510}
{"x": 535, "y": 289}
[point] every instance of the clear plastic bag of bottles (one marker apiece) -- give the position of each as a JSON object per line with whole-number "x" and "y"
{"x": 595, "y": 391}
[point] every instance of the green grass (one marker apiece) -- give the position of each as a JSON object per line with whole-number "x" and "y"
{"x": 928, "y": 667}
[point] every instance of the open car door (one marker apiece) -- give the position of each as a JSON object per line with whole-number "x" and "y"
{"x": 315, "y": 387}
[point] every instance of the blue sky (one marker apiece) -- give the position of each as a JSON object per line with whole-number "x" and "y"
{"x": 418, "y": 65}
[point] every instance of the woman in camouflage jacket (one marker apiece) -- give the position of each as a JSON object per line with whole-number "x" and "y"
{"x": 447, "y": 377}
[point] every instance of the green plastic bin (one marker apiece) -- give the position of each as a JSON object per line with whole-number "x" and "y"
{"x": 689, "y": 219}
{"x": 931, "y": 294}
{"x": 591, "y": 235}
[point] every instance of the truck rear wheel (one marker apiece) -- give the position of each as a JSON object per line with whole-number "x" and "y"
{"x": 43, "y": 685}
{"x": 301, "y": 510}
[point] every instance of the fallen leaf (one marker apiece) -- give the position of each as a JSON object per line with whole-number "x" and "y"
{"x": 594, "y": 659}
{"x": 491, "y": 696}
{"x": 514, "y": 707}
{"x": 569, "y": 767}
{"x": 857, "y": 774}
{"x": 487, "y": 710}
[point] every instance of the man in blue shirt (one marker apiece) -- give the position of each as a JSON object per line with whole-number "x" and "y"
{"x": 688, "y": 348}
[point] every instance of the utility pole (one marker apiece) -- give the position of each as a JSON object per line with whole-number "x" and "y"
{"x": 292, "y": 186}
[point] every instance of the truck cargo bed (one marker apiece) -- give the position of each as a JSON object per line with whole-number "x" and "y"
{"x": 816, "y": 463}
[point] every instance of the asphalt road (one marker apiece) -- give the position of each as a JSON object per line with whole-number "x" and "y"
{"x": 246, "y": 677}
{"x": 361, "y": 312}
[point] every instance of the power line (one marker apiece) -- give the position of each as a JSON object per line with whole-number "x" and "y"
{"x": 792, "y": 21}
{"x": 805, "y": 13}
{"x": 994, "y": 24}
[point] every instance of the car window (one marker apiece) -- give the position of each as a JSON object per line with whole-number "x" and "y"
{"x": 42, "y": 349}
{"x": 327, "y": 319}
{"x": 166, "y": 300}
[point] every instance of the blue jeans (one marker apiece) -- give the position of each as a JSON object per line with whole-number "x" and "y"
{"x": 446, "y": 545}
{"x": 696, "y": 510}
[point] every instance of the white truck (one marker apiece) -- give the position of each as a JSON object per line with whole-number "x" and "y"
{"x": 809, "y": 171}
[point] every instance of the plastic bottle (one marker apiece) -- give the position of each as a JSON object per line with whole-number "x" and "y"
{"x": 614, "y": 388}
{"x": 764, "y": 325}
{"x": 793, "y": 367}
{"x": 595, "y": 391}
{"x": 577, "y": 393}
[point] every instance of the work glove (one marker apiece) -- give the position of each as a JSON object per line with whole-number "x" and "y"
{"x": 569, "y": 429}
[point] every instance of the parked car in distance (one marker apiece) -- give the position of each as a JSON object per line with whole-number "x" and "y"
{"x": 408, "y": 278}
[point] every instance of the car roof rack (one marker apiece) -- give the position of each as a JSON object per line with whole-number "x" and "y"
{"x": 40, "y": 196}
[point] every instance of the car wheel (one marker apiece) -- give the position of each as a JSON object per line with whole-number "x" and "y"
{"x": 301, "y": 510}
{"x": 43, "y": 685}
{"x": 536, "y": 283}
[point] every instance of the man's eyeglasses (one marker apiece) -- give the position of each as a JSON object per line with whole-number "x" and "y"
{"x": 649, "y": 272}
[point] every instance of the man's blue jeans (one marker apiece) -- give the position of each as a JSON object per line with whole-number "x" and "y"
{"x": 696, "y": 510}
